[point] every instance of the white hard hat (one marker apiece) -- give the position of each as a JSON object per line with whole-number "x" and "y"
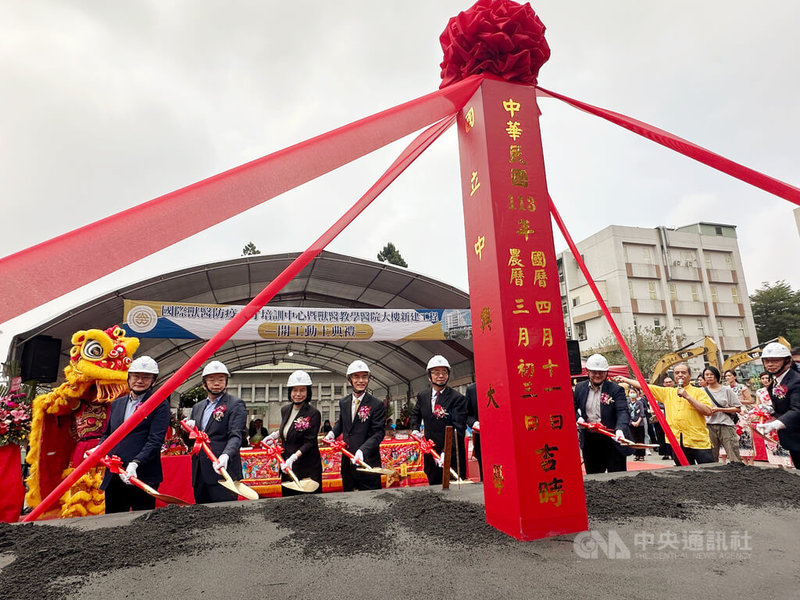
{"x": 775, "y": 350}
{"x": 596, "y": 362}
{"x": 357, "y": 366}
{"x": 298, "y": 378}
{"x": 144, "y": 364}
{"x": 438, "y": 361}
{"x": 215, "y": 367}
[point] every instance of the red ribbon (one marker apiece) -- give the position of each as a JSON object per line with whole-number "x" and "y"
{"x": 113, "y": 463}
{"x": 426, "y": 446}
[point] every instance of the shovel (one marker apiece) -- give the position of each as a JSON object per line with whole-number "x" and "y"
{"x": 426, "y": 446}
{"x": 237, "y": 487}
{"x": 306, "y": 485}
{"x": 114, "y": 464}
{"x": 363, "y": 467}
{"x": 599, "y": 428}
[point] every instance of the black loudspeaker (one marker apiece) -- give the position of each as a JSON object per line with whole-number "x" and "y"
{"x": 40, "y": 357}
{"x": 574, "y": 353}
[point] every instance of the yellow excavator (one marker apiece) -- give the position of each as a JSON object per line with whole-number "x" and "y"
{"x": 691, "y": 350}
{"x": 753, "y": 353}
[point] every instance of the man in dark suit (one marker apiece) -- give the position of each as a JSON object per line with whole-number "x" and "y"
{"x": 784, "y": 391}
{"x": 474, "y": 423}
{"x": 222, "y": 417}
{"x": 437, "y": 408}
{"x": 361, "y": 425}
{"x": 599, "y": 400}
{"x": 140, "y": 450}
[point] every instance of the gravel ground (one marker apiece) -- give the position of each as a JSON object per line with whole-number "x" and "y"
{"x": 428, "y": 542}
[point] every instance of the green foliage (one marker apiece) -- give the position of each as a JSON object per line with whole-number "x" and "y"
{"x": 776, "y": 311}
{"x": 391, "y": 255}
{"x": 250, "y": 250}
{"x": 193, "y": 396}
{"x": 647, "y": 344}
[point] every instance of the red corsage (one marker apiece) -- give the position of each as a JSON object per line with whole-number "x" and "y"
{"x": 606, "y": 399}
{"x": 363, "y": 413}
{"x": 439, "y": 412}
{"x": 498, "y": 37}
{"x": 302, "y": 423}
{"x": 779, "y": 391}
{"x": 219, "y": 412}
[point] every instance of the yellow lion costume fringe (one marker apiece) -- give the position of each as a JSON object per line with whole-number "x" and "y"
{"x": 70, "y": 419}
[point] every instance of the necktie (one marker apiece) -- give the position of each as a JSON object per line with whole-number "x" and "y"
{"x": 434, "y": 399}
{"x": 356, "y": 402}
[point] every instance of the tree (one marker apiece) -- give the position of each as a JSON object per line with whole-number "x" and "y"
{"x": 191, "y": 397}
{"x": 391, "y": 255}
{"x": 250, "y": 250}
{"x": 776, "y": 311}
{"x": 647, "y": 344}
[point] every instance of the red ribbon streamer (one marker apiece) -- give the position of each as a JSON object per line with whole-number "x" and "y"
{"x": 417, "y": 147}
{"x": 687, "y": 148}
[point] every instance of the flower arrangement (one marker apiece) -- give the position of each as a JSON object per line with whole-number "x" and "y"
{"x": 219, "y": 412}
{"x": 15, "y": 419}
{"x": 439, "y": 412}
{"x": 302, "y": 423}
{"x": 363, "y": 413}
{"x": 606, "y": 399}
{"x": 779, "y": 391}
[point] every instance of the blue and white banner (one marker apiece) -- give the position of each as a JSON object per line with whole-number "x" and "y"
{"x": 201, "y": 321}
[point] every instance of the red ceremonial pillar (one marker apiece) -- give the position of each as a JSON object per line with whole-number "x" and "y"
{"x": 12, "y": 491}
{"x": 532, "y": 469}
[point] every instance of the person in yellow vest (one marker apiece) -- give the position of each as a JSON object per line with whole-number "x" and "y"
{"x": 686, "y": 409}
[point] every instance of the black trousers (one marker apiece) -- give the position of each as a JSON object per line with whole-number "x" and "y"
{"x": 795, "y": 458}
{"x": 476, "y": 451}
{"x": 695, "y": 456}
{"x": 637, "y": 435}
{"x": 209, "y": 492}
{"x": 121, "y": 497}
{"x": 356, "y": 480}
{"x": 600, "y": 454}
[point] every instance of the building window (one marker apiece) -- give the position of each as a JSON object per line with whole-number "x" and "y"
{"x": 734, "y": 295}
{"x": 694, "y": 293}
{"x": 708, "y": 261}
{"x": 728, "y": 260}
{"x": 580, "y": 328}
{"x": 714, "y": 295}
{"x": 678, "y": 327}
{"x": 701, "y": 328}
{"x": 718, "y": 230}
{"x": 720, "y": 329}
{"x": 673, "y": 291}
{"x": 657, "y": 325}
{"x": 630, "y": 289}
{"x": 576, "y": 300}
{"x": 741, "y": 328}
{"x": 651, "y": 288}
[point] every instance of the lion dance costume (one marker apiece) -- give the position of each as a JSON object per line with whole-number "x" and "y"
{"x": 69, "y": 420}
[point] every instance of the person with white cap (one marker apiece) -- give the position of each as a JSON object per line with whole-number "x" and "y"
{"x": 784, "y": 391}
{"x": 300, "y": 423}
{"x": 223, "y": 418}
{"x": 361, "y": 424}
{"x": 438, "y": 407}
{"x": 140, "y": 450}
{"x": 600, "y": 400}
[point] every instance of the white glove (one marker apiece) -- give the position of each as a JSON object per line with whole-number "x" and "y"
{"x": 439, "y": 461}
{"x": 358, "y": 458}
{"x": 330, "y": 436}
{"x": 416, "y": 433}
{"x": 272, "y": 438}
{"x": 287, "y": 464}
{"x": 580, "y": 420}
{"x": 618, "y": 435}
{"x": 88, "y": 452}
{"x": 130, "y": 471}
{"x": 765, "y": 428}
{"x": 476, "y": 426}
{"x": 222, "y": 463}
{"x": 190, "y": 423}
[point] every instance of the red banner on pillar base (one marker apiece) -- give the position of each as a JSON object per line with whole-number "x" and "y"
{"x": 532, "y": 474}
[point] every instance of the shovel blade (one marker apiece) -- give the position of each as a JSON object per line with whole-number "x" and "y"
{"x": 307, "y": 486}
{"x": 245, "y": 491}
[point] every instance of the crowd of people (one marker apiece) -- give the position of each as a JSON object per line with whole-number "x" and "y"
{"x": 710, "y": 414}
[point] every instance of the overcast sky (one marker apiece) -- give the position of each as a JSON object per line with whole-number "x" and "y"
{"x": 105, "y": 105}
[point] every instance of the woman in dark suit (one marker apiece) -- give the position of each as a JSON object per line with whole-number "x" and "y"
{"x": 300, "y": 423}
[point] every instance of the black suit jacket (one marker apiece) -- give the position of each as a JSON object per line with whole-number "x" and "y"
{"x": 453, "y": 403}
{"x": 224, "y": 436}
{"x": 362, "y": 434}
{"x": 614, "y": 416}
{"x": 305, "y": 440}
{"x": 787, "y": 410}
{"x": 143, "y": 443}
